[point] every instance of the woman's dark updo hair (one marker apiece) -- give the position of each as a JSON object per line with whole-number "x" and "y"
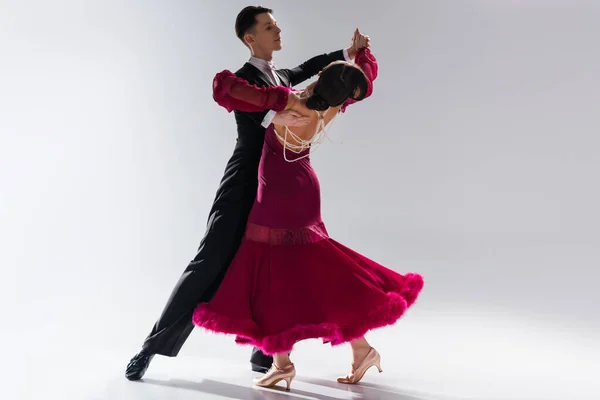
{"x": 338, "y": 82}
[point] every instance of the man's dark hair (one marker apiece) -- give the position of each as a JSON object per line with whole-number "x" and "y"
{"x": 338, "y": 82}
{"x": 246, "y": 20}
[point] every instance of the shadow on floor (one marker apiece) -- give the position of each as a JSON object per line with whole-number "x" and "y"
{"x": 363, "y": 390}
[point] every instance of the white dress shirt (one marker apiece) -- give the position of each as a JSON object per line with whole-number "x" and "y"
{"x": 268, "y": 68}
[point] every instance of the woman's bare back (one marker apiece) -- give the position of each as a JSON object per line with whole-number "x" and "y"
{"x": 308, "y": 131}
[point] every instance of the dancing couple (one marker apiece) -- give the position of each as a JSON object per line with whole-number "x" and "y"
{"x": 266, "y": 271}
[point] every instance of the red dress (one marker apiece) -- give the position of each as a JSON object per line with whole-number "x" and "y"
{"x": 289, "y": 280}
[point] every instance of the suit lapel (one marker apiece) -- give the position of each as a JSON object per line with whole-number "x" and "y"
{"x": 282, "y": 78}
{"x": 259, "y": 75}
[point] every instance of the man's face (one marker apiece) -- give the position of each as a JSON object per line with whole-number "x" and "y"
{"x": 267, "y": 37}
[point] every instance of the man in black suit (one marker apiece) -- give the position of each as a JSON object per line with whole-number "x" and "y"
{"x": 258, "y": 30}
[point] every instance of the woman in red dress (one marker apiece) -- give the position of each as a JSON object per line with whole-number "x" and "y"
{"x": 289, "y": 280}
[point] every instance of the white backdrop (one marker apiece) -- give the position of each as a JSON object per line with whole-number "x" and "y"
{"x": 474, "y": 162}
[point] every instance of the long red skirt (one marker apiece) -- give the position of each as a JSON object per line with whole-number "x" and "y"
{"x": 283, "y": 288}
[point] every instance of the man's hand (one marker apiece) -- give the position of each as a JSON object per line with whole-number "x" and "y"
{"x": 290, "y": 118}
{"x": 359, "y": 41}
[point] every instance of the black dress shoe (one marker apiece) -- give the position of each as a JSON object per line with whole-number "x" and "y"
{"x": 138, "y": 365}
{"x": 260, "y": 361}
{"x": 259, "y": 368}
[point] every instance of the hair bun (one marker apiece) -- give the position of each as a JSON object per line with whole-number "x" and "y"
{"x": 316, "y": 102}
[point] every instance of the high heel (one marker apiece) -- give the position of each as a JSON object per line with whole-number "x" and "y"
{"x": 276, "y": 374}
{"x": 372, "y": 359}
{"x": 288, "y": 382}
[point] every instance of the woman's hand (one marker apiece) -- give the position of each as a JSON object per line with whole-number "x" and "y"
{"x": 290, "y": 118}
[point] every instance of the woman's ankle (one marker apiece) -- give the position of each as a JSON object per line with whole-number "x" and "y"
{"x": 281, "y": 360}
{"x": 360, "y": 345}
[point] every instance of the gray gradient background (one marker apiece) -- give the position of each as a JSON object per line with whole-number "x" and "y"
{"x": 475, "y": 162}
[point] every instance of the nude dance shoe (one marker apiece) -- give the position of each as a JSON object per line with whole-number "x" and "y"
{"x": 372, "y": 359}
{"x": 276, "y": 374}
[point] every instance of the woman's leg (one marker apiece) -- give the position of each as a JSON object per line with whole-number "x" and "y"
{"x": 360, "y": 349}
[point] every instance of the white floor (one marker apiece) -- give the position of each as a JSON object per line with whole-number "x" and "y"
{"x": 429, "y": 356}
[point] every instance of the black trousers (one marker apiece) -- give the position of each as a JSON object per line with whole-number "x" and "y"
{"x": 203, "y": 275}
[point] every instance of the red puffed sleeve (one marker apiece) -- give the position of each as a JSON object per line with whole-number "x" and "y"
{"x": 234, "y": 93}
{"x": 368, "y": 63}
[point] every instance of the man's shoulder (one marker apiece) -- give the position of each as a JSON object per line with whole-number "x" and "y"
{"x": 245, "y": 71}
